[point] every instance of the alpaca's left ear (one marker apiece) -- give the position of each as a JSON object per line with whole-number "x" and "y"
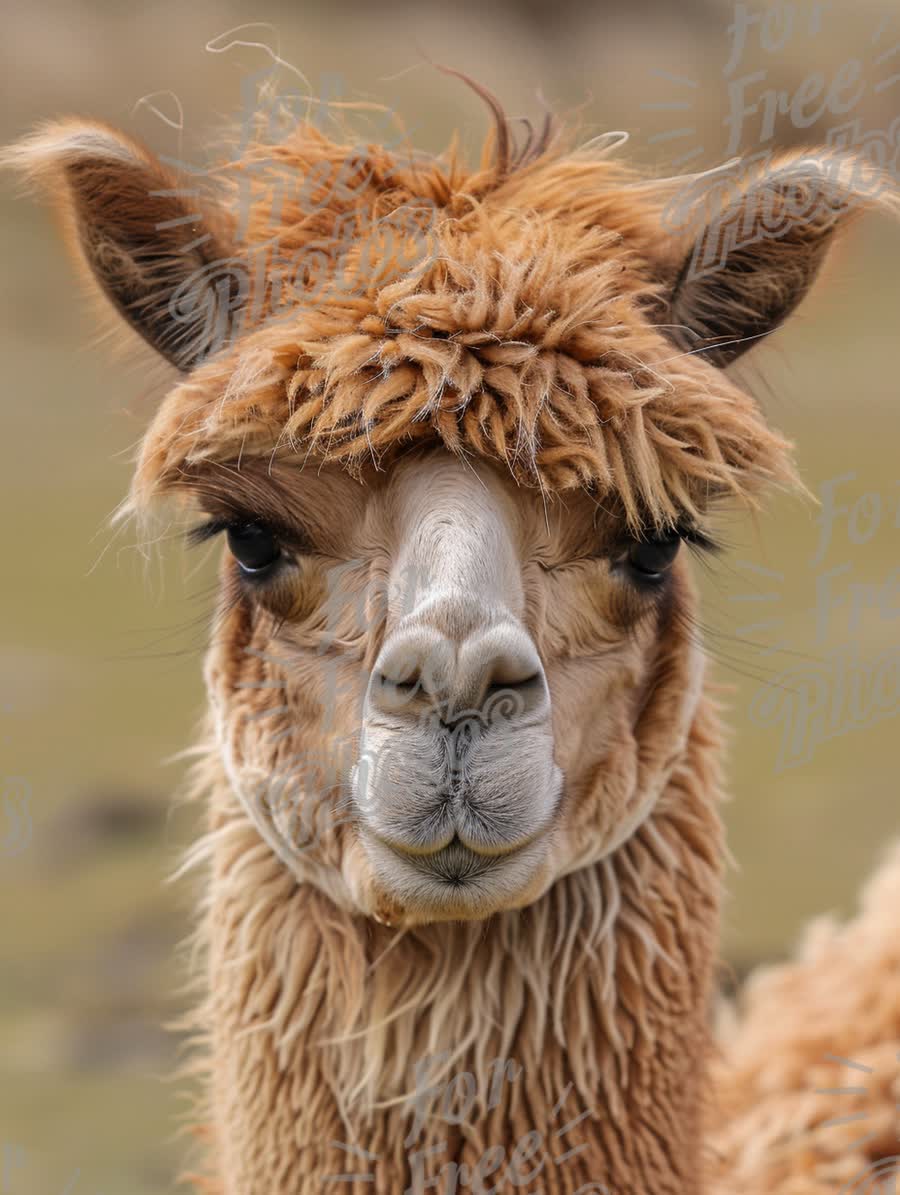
{"x": 156, "y": 250}
{"x": 751, "y": 248}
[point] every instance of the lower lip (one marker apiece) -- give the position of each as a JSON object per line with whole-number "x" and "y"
{"x": 468, "y": 887}
{"x": 466, "y": 864}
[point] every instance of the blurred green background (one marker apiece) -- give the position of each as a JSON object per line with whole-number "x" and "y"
{"x": 101, "y": 650}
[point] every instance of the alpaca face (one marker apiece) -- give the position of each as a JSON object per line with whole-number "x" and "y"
{"x": 435, "y": 693}
{"x": 453, "y": 659}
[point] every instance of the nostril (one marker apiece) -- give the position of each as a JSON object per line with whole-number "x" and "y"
{"x": 533, "y": 681}
{"x": 399, "y": 670}
{"x": 514, "y": 667}
{"x": 513, "y": 698}
{"x": 396, "y": 682}
{"x": 393, "y": 695}
{"x": 414, "y": 664}
{"x": 395, "y": 685}
{"x": 514, "y": 684}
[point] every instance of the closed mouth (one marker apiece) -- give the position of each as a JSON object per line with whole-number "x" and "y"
{"x": 455, "y": 882}
{"x": 454, "y": 864}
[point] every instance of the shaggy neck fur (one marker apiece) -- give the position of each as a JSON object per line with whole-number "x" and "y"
{"x": 568, "y": 1040}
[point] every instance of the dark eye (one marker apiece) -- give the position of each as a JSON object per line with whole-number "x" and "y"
{"x": 650, "y": 559}
{"x": 253, "y": 546}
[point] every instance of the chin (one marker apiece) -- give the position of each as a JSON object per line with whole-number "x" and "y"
{"x": 454, "y": 884}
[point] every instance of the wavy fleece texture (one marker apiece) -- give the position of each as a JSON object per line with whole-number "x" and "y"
{"x": 517, "y": 314}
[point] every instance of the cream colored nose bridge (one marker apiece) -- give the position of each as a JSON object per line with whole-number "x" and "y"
{"x": 455, "y": 614}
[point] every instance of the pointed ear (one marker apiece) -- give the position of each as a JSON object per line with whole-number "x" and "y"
{"x": 752, "y": 245}
{"x": 160, "y": 254}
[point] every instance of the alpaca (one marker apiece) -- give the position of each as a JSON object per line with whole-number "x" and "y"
{"x": 461, "y": 764}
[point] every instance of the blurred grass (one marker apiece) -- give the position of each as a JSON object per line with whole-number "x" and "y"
{"x": 101, "y": 650}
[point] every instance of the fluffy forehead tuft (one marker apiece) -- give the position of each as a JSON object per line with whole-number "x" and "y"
{"x": 510, "y": 317}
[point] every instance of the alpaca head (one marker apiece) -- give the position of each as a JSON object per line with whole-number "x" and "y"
{"x": 453, "y": 659}
{"x": 435, "y": 691}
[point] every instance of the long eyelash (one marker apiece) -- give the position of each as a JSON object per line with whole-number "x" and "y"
{"x": 699, "y": 540}
{"x": 239, "y": 518}
{"x": 204, "y": 532}
{"x": 695, "y": 538}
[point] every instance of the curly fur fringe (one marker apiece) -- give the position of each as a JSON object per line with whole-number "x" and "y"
{"x": 507, "y": 317}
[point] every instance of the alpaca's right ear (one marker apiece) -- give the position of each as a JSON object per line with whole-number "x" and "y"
{"x": 156, "y": 252}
